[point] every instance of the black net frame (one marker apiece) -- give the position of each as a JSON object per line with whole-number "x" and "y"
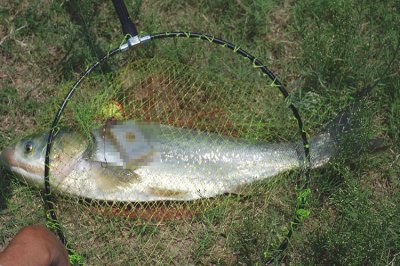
{"x": 133, "y": 40}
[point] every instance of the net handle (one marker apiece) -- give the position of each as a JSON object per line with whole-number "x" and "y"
{"x": 128, "y": 27}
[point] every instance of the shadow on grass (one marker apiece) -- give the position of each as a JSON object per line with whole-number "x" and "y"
{"x": 5, "y": 187}
{"x": 82, "y": 15}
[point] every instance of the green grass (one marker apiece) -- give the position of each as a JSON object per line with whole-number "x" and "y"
{"x": 324, "y": 51}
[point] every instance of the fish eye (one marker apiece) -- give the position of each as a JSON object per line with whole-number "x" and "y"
{"x": 28, "y": 147}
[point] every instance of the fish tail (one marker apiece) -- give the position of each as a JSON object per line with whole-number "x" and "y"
{"x": 347, "y": 135}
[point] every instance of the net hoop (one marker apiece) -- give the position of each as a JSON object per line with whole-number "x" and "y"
{"x": 52, "y": 221}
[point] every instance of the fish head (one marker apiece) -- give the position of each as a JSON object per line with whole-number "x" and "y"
{"x": 26, "y": 158}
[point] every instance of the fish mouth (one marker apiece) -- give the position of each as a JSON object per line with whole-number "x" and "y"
{"x": 7, "y": 157}
{"x": 9, "y": 160}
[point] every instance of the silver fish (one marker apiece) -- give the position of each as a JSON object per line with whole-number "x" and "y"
{"x": 138, "y": 162}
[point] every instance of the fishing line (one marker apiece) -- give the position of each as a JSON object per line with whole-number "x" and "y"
{"x": 105, "y": 164}
{"x": 300, "y": 212}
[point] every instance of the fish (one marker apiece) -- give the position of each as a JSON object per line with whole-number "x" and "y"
{"x": 132, "y": 161}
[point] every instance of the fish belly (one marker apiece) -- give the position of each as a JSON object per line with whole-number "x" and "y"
{"x": 180, "y": 171}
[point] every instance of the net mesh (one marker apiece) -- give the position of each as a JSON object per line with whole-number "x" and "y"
{"x": 200, "y": 95}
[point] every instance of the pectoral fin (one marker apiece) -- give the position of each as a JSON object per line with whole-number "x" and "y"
{"x": 111, "y": 178}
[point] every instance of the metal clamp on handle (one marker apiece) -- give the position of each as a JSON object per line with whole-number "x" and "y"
{"x": 132, "y": 41}
{"x": 127, "y": 25}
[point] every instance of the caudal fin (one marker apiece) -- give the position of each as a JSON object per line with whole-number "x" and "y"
{"x": 347, "y": 134}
